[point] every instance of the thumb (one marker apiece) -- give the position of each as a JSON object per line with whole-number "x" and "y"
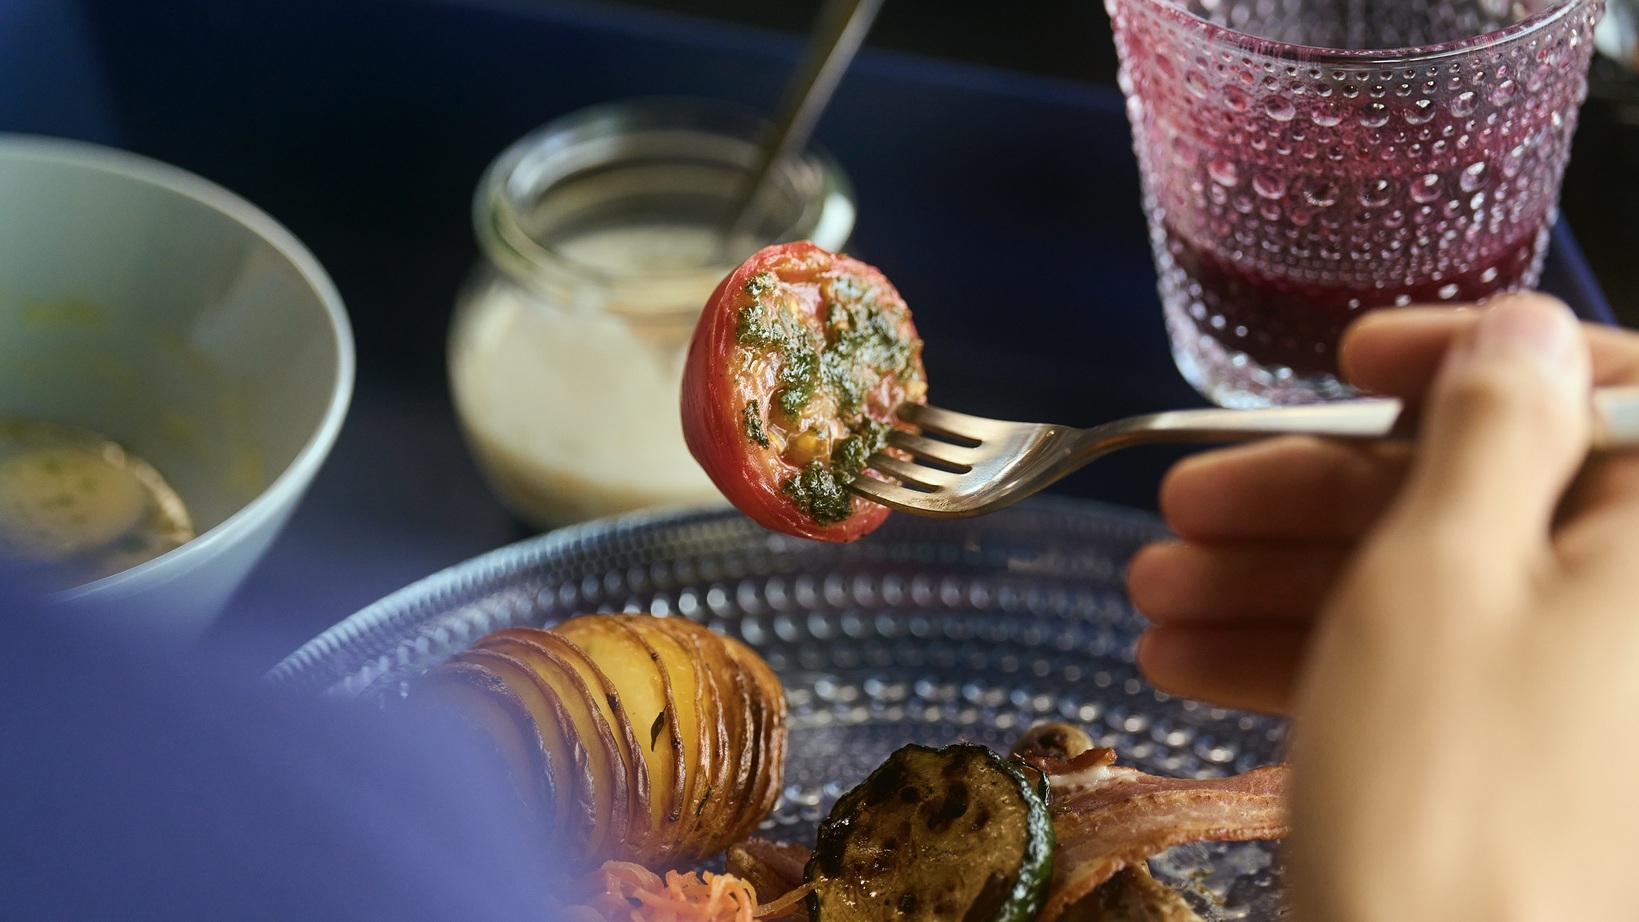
{"x": 1505, "y": 427}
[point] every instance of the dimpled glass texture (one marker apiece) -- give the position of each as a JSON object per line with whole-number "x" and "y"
{"x": 1307, "y": 160}
{"x": 924, "y": 631}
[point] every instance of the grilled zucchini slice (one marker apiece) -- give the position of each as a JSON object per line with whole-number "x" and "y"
{"x": 959, "y": 833}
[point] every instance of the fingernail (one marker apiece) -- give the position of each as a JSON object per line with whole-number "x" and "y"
{"x": 1540, "y": 330}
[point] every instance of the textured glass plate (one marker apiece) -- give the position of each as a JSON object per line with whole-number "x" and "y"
{"x": 925, "y": 631}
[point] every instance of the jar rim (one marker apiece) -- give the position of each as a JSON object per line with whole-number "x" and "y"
{"x": 516, "y": 177}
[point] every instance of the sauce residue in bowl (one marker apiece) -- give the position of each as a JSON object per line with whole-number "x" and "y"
{"x": 80, "y": 507}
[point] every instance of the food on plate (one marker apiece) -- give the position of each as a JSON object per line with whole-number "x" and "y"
{"x": 775, "y": 872}
{"x": 621, "y": 891}
{"x": 80, "y": 506}
{"x": 1132, "y": 895}
{"x": 796, "y": 367}
{"x": 953, "y": 833}
{"x": 627, "y": 892}
{"x": 1054, "y": 832}
{"x": 1051, "y": 740}
{"x": 637, "y": 738}
{"x": 651, "y": 743}
{"x": 1108, "y": 817}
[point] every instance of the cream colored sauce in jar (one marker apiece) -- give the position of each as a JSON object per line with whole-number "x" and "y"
{"x": 602, "y": 241}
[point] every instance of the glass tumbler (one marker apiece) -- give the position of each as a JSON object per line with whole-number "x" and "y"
{"x": 602, "y": 238}
{"x": 1304, "y": 161}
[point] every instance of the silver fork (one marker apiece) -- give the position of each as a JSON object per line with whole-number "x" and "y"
{"x": 968, "y": 465}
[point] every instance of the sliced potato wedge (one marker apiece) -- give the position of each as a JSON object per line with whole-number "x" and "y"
{"x": 478, "y": 696}
{"x": 614, "y": 710}
{"x": 769, "y": 697}
{"x": 740, "y": 714}
{"x": 540, "y": 650}
{"x": 639, "y": 738}
{"x": 709, "y": 791}
{"x": 571, "y": 780}
{"x": 618, "y": 647}
{"x": 678, "y": 655}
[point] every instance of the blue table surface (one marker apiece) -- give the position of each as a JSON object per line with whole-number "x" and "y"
{"x": 1004, "y": 206}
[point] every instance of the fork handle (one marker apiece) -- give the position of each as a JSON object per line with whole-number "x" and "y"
{"x": 1614, "y": 411}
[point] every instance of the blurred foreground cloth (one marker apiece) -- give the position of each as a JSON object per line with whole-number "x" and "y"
{"x": 144, "y": 786}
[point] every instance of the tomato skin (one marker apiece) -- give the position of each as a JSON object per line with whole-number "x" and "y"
{"x": 714, "y": 397}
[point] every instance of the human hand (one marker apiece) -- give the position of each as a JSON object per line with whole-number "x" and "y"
{"x": 1455, "y": 627}
{"x": 1266, "y": 528}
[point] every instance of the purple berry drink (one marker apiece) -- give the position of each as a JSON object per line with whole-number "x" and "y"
{"x": 1307, "y": 160}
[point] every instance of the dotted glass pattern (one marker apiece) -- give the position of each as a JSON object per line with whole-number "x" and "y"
{"x": 925, "y": 631}
{"x": 1306, "y": 160}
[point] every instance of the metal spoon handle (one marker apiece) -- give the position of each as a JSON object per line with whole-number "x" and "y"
{"x": 838, "y": 32}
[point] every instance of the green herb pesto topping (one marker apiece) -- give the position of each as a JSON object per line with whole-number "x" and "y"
{"x": 751, "y": 420}
{"x": 760, "y": 284}
{"x": 799, "y": 377}
{"x": 820, "y": 493}
{"x": 856, "y": 344}
{"x": 753, "y": 327}
{"x": 849, "y": 455}
{"x": 859, "y": 336}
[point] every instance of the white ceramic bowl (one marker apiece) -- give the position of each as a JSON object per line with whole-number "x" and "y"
{"x": 174, "y": 317}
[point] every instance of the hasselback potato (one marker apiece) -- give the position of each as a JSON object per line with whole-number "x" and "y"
{"x": 638, "y": 738}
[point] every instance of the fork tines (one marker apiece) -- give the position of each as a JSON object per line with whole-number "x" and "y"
{"x": 944, "y": 450}
{"x": 947, "y": 424}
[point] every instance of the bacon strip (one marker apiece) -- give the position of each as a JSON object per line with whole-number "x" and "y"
{"x": 774, "y": 868}
{"x": 1107, "y": 817}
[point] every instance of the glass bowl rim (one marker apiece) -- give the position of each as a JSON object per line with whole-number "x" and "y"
{"x": 1414, "y": 55}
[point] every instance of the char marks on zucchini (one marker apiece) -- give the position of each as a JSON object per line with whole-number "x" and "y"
{"x": 958, "y": 833}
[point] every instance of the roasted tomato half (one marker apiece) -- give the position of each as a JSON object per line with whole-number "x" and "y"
{"x": 796, "y": 367}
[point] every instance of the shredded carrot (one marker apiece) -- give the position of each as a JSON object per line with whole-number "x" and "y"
{"x": 627, "y": 892}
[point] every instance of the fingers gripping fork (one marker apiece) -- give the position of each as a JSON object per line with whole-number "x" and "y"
{"x": 959, "y": 465}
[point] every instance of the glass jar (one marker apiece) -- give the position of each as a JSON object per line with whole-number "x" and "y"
{"x": 601, "y": 235}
